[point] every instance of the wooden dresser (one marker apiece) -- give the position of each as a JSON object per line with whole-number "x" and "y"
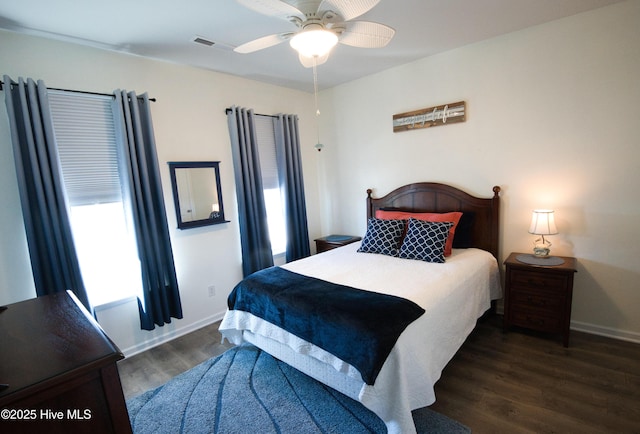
{"x": 58, "y": 370}
{"x": 538, "y": 297}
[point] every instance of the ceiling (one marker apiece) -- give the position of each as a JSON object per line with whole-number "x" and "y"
{"x": 165, "y": 30}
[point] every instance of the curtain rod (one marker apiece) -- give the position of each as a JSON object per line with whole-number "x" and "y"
{"x": 228, "y": 109}
{"x": 76, "y": 91}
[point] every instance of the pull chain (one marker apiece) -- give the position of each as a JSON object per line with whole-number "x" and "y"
{"x": 319, "y": 145}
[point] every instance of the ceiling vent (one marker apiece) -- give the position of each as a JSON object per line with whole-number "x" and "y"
{"x": 203, "y": 41}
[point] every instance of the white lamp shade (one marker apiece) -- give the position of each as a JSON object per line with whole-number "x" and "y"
{"x": 314, "y": 43}
{"x": 543, "y": 222}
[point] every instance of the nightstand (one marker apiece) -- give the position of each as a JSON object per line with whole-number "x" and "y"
{"x": 538, "y": 297}
{"x": 334, "y": 241}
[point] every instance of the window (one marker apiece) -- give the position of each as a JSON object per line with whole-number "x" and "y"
{"x": 88, "y": 151}
{"x": 271, "y": 184}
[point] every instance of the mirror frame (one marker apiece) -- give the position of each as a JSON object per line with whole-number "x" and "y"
{"x": 173, "y": 165}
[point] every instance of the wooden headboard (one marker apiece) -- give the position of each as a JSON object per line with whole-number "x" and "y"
{"x": 479, "y": 226}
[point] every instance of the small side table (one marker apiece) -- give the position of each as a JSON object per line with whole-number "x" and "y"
{"x": 334, "y": 241}
{"x": 538, "y": 297}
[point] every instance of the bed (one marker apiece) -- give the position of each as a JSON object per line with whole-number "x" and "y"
{"x": 446, "y": 298}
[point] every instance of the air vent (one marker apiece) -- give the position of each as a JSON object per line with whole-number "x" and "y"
{"x": 203, "y": 41}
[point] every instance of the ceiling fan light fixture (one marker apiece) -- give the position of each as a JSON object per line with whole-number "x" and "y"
{"x": 314, "y": 42}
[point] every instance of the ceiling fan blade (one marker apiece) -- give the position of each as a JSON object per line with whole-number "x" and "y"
{"x": 261, "y": 43}
{"x": 307, "y": 7}
{"x": 348, "y": 9}
{"x": 365, "y": 34}
{"x": 307, "y": 62}
{"x": 273, "y": 8}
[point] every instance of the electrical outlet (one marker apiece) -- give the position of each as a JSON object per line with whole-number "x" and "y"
{"x": 212, "y": 290}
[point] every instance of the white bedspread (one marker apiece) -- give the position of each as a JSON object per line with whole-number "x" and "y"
{"x": 454, "y": 295}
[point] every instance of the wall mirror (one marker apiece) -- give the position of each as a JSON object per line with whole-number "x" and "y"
{"x": 196, "y": 193}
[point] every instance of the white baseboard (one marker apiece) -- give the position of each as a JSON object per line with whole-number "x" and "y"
{"x": 608, "y": 332}
{"x": 146, "y": 345}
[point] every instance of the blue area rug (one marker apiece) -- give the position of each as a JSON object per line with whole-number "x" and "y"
{"x": 245, "y": 390}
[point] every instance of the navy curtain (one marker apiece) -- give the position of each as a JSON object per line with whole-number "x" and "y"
{"x": 252, "y": 214}
{"x": 161, "y": 300}
{"x": 290, "y": 174}
{"x": 53, "y": 257}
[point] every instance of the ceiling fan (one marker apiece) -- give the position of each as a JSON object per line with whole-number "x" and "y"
{"x": 321, "y": 24}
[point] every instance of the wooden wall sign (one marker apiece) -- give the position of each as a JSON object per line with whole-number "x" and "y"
{"x": 430, "y": 117}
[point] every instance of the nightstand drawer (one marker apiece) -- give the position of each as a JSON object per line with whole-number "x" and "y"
{"x": 535, "y": 321}
{"x": 541, "y": 300}
{"x": 535, "y": 279}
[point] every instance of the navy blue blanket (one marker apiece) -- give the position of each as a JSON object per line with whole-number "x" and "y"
{"x": 360, "y": 327}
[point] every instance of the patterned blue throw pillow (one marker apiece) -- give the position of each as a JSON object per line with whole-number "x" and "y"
{"x": 425, "y": 240}
{"x": 383, "y": 236}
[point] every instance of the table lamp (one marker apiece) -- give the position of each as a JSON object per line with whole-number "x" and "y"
{"x": 542, "y": 223}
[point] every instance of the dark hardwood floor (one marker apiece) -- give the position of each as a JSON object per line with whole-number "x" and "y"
{"x": 519, "y": 382}
{"x": 154, "y": 367}
{"x": 523, "y": 382}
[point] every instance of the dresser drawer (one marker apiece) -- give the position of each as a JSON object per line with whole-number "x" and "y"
{"x": 550, "y": 302}
{"x": 532, "y": 319}
{"x": 536, "y": 280}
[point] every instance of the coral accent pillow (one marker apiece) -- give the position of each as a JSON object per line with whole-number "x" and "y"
{"x": 425, "y": 216}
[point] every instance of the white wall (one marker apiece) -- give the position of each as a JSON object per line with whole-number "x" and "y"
{"x": 551, "y": 118}
{"x": 190, "y": 125}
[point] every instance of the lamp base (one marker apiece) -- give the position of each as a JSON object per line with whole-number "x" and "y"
{"x": 541, "y": 247}
{"x": 537, "y": 260}
{"x": 541, "y": 251}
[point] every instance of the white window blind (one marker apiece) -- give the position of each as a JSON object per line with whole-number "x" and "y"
{"x": 85, "y": 135}
{"x": 267, "y": 149}
{"x": 265, "y": 136}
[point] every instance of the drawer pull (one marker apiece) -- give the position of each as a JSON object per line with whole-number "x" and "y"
{"x": 537, "y": 321}
{"x": 537, "y": 301}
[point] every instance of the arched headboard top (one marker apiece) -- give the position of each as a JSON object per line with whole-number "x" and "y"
{"x": 479, "y": 226}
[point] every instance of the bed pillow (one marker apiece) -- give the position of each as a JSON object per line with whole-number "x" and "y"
{"x": 425, "y": 240}
{"x": 383, "y": 236}
{"x": 464, "y": 231}
{"x": 453, "y": 217}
